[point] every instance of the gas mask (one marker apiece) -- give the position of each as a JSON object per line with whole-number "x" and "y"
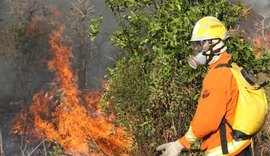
{"x": 199, "y": 48}
{"x": 195, "y": 61}
{"x": 206, "y": 52}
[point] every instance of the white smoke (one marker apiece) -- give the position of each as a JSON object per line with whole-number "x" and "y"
{"x": 259, "y": 5}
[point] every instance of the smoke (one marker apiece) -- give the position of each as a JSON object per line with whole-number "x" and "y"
{"x": 259, "y": 5}
{"x": 257, "y": 19}
{"x": 103, "y": 51}
{"x": 13, "y": 90}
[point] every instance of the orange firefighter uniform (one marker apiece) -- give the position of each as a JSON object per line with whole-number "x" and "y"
{"x": 218, "y": 99}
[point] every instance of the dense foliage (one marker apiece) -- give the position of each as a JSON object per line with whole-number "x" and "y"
{"x": 152, "y": 90}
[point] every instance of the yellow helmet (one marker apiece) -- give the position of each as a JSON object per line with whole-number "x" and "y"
{"x": 209, "y": 28}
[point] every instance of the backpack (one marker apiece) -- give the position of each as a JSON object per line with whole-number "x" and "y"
{"x": 251, "y": 109}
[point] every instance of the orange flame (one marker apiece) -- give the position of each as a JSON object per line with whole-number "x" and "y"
{"x": 261, "y": 43}
{"x": 70, "y": 117}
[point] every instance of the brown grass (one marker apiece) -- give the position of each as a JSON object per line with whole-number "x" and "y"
{"x": 262, "y": 139}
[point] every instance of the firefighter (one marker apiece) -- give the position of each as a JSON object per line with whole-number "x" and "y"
{"x": 218, "y": 97}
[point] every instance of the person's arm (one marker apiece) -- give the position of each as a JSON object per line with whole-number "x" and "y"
{"x": 210, "y": 110}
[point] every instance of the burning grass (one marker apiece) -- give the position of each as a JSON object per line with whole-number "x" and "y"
{"x": 68, "y": 116}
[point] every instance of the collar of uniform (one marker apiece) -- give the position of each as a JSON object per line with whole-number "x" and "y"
{"x": 224, "y": 58}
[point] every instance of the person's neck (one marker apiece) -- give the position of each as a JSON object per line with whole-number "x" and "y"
{"x": 224, "y": 58}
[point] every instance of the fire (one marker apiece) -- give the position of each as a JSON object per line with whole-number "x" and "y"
{"x": 261, "y": 43}
{"x": 70, "y": 117}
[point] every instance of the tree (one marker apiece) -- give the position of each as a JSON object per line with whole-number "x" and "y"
{"x": 86, "y": 28}
{"x": 26, "y": 44}
{"x": 78, "y": 20}
{"x": 152, "y": 89}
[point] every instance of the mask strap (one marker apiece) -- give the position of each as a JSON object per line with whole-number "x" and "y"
{"x": 212, "y": 53}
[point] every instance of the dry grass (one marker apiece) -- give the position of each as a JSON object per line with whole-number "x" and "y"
{"x": 262, "y": 139}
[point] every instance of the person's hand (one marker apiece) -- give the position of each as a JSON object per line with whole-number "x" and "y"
{"x": 170, "y": 149}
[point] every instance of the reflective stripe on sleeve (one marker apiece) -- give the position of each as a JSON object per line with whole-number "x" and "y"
{"x": 232, "y": 147}
{"x": 190, "y": 137}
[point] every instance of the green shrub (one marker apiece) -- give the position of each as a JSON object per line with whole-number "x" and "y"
{"x": 152, "y": 90}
